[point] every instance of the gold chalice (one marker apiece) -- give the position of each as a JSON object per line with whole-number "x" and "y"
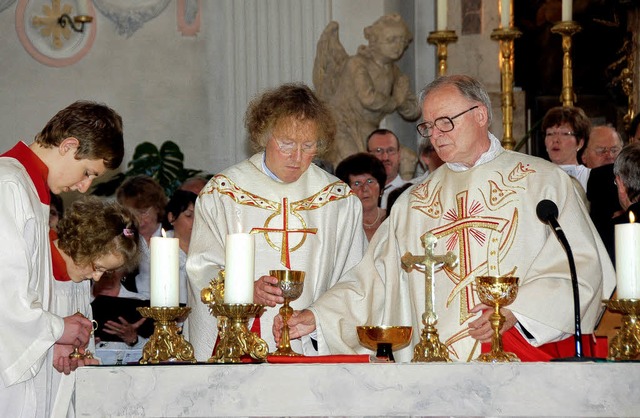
{"x": 497, "y": 292}
{"x": 384, "y": 340}
{"x": 291, "y": 282}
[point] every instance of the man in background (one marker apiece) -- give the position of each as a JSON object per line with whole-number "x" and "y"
{"x": 384, "y": 144}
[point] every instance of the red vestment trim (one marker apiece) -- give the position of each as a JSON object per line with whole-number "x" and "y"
{"x": 37, "y": 170}
{"x": 59, "y": 266}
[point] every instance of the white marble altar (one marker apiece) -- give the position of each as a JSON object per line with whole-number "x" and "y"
{"x": 467, "y": 389}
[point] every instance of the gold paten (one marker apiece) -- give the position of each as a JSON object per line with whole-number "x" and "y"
{"x": 384, "y": 339}
{"x": 626, "y": 344}
{"x": 166, "y": 343}
{"x": 291, "y": 282}
{"x": 497, "y": 292}
{"x": 430, "y": 348}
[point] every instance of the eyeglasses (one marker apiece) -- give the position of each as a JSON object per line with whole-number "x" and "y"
{"x": 290, "y": 147}
{"x": 443, "y": 123}
{"x": 604, "y": 150}
{"x": 99, "y": 269}
{"x": 388, "y": 151}
{"x": 360, "y": 184}
{"x": 560, "y": 134}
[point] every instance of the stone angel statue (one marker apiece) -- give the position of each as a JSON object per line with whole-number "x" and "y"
{"x": 362, "y": 89}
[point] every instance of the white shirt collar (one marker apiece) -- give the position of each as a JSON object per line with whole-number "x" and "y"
{"x": 266, "y": 169}
{"x": 495, "y": 149}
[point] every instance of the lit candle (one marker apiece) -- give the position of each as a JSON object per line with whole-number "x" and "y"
{"x": 239, "y": 268}
{"x": 83, "y": 7}
{"x": 567, "y": 6}
{"x": 505, "y": 13}
{"x": 627, "y": 261}
{"x": 441, "y": 10}
{"x": 165, "y": 271}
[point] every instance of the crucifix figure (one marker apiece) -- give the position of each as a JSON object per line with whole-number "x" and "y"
{"x": 429, "y": 348}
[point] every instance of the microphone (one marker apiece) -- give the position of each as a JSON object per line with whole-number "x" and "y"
{"x": 547, "y": 212}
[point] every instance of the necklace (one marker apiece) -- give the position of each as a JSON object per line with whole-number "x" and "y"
{"x": 366, "y": 225}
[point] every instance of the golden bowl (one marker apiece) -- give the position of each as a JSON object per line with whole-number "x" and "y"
{"x": 371, "y": 336}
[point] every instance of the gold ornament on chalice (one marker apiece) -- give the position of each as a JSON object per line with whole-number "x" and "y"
{"x": 291, "y": 282}
{"x": 430, "y": 348}
{"x": 626, "y": 344}
{"x": 497, "y": 292}
{"x": 235, "y": 337}
{"x": 166, "y": 344}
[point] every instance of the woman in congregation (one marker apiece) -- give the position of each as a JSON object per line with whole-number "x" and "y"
{"x": 178, "y": 224}
{"x": 144, "y": 196}
{"x": 301, "y": 217}
{"x": 94, "y": 237}
{"x": 366, "y": 176}
{"x": 566, "y": 130}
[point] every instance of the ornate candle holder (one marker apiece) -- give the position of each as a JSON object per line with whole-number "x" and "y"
{"x": 166, "y": 344}
{"x": 235, "y": 337}
{"x": 567, "y": 29}
{"x": 506, "y": 37}
{"x": 429, "y": 348}
{"x": 441, "y": 38}
{"x": 497, "y": 292}
{"x": 626, "y": 344}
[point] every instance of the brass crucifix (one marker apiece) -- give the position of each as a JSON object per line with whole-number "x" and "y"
{"x": 429, "y": 348}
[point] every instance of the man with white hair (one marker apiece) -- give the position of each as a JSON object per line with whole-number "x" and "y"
{"x": 603, "y": 146}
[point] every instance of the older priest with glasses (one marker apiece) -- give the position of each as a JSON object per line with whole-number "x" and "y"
{"x": 302, "y": 217}
{"x": 482, "y": 206}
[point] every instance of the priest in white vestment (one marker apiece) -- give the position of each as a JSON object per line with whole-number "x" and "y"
{"x": 302, "y": 217}
{"x": 481, "y": 205}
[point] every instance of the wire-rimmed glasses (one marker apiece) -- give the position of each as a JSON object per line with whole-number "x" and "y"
{"x": 443, "y": 123}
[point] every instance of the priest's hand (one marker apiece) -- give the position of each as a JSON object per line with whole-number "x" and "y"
{"x": 301, "y": 323}
{"x": 61, "y": 360}
{"x": 77, "y": 331}
{"x": 265, "y": 291}
{"x": 480, "y": 328}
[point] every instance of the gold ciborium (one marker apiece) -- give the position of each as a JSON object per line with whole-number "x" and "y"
{"x": 497, "y": 292}
{"x": 384, "y": 340}
{"x": 166, "y": 343}
{"x": 626, "y": 344}
{"x": 291, "y": 282}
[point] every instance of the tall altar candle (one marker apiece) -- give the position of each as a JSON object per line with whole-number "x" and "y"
{"x": 83, "y": 7}
{"x": 239, "y": 268}
{"x": 441, "y": 15}
{"x": 165, "y": 272}
{"x": 628, "y": 259}
{"x": 505, "y": 13}
{"x": 567, "y": 10}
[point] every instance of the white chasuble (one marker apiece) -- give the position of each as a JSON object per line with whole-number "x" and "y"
{"x": 486, "y": 215}
{"x": 313, "y": 224}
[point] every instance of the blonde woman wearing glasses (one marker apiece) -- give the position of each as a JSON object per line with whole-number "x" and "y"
{"x": 302, "y": 217}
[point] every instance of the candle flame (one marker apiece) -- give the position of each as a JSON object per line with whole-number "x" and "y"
{"x": 632, "y": 217}
{"x": 164, "y": 234}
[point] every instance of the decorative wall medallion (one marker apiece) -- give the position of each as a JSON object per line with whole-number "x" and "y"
{"x": 129, "y": 16}
{"x": 44, "y": 39}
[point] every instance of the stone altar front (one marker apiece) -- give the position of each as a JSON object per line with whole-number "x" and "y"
{"x": 465, "y": 389}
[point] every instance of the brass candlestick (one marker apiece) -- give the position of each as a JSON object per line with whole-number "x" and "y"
{"x": 441, "y": 38}
{"x": 235, "y": 337}
{"x": 567, "y": 29}
{"x": 497, "y": 292}
{"x": 626, "y": 344}
{"x": 506, "y": 37}
{"x": 430, "y": 348}
{"x": 166, "y": 344}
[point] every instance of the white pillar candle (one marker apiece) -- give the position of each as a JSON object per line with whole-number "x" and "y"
{"x": 165, "y": 272}
{"x": 239, "y": 268}
{"x": 83, "y": 7}
{"x": 441, "y": 14}
{"x": 505, "y": 13}
{"x": 567, "y": 10}
{"x": 628, "y": 260}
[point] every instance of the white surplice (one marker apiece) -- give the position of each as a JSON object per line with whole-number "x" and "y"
{"x": 325, "y": 236}
{"x": 486, "y": 215}
{"x": 27, "y": 329}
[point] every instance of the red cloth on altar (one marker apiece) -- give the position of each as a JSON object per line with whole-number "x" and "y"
{"x": 514, "y": 342}
{"x": 336, "y": 358}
